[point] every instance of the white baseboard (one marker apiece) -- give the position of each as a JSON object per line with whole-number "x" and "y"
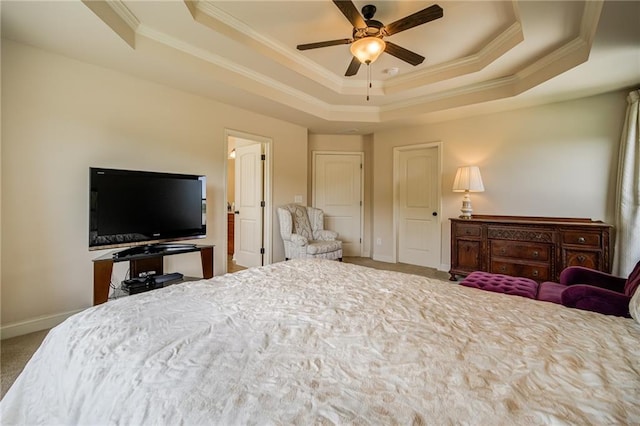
{"x": 388, "y": 259}
{"x": 33, "y": 325}
{"x": 444, "y": 267}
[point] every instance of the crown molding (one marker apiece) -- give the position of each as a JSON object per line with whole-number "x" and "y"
{"x": 504, "y": 42}
{"x": 218, "y": 20}
{"x": 206, "y": 13}
{"x": 117, "y": 17}
{"x": 124, "y": 13}
{"x": 226, "y": 64}
{"x": 590, "y": 19}
{"x": 567, "y": 56}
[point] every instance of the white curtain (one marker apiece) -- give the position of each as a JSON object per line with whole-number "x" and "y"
{"x": 627, "y": 248}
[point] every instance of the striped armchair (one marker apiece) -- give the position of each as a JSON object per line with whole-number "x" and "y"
{"x": 303, "y": 233}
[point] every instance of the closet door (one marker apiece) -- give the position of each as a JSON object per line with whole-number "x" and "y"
{"x": 417, "y": 206}
{"x": 337, "y": 190}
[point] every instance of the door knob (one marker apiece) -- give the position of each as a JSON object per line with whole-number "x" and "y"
{"x": 237, "y": 212}
{"x": 435, "y": 213}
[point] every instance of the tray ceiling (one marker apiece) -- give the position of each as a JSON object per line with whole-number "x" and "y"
{"x": 481, "y": 54}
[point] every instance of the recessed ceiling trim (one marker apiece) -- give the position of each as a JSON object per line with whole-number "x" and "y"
{"x": 576, "y": 53}
{"x": 469, "y": 94}
{"x": 590, "y": 20}
{"x": 226, "y": 64}
{"x": 124, "y": 13}
{"x": 117, "y": 17}
{"x": 197, "y": 59}
{"x": 461, "y": 91}
{"x": 218, "y": 20}
{"x": 567, "y": 56}
{"x": 506, "y": 41}
{"x": 232, "y": 74}
{"x": 547, "y": 62}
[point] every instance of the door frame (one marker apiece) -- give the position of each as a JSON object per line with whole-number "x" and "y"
{"x": 396, "y": 196}
{"x": 267, "y": 225}
{"x": 313, "y": 185}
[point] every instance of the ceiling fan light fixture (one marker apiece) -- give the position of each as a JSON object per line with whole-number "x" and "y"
{"x": 367, "y": 49}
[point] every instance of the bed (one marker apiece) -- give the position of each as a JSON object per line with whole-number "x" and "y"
{"x": 314, "y": 341}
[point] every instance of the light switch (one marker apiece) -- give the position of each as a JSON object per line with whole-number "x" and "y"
{"x": 297, "y": 199}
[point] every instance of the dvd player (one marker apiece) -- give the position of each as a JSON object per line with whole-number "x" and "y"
{"x": 151, "y": 282}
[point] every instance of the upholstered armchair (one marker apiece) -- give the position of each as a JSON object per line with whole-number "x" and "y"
{"x": 303, "y": 233}
{"x": 592, "y": 290}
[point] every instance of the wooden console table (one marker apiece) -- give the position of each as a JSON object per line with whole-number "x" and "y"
{"x": 143, "y": 262}
{"x": 534, "y": 247}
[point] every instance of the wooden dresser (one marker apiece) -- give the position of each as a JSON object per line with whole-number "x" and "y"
{"x": 534, "y": 247}
{"x": 230, "y": 233}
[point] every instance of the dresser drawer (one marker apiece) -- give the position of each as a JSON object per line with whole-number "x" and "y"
{"x": 520, "y": 234}
{"x": 520, "y": 250}
{"x": 581, "y": 238}
{"x": 469, "y": 230}
{"x": 530, "y": 270}
{"x": 587, "y": 259}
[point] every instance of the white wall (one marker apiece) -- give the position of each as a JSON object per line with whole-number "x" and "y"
{"x": 62, "y": 116}
{"x": 553, "y": 160}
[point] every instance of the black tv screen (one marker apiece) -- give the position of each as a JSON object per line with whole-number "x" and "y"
{"x": 136, "y": 207}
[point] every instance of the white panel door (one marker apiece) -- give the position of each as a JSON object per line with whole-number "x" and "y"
{"x": 337, "y": 190}
{"x": 248, "y": 197}
{"x": 417, "y": 209}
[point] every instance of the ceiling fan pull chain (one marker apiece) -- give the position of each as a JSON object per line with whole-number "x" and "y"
{"x": 368, "y": 79}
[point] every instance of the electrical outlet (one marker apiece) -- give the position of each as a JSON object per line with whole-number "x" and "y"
{"x": 297, "y": 199}
{"x": 378, "y": 241}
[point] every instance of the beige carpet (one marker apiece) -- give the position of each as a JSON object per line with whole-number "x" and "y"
{"x": 399, "y": 267}
{"x": 17, "y": 351}
{"x": 14, "y": 354}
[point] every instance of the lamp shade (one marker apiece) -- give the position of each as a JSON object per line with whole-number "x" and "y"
{"x": 367, "y": 49}
{"x": 468, "y": 179}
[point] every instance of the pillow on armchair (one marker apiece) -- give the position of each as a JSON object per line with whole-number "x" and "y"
{"x": 301, "y": 224}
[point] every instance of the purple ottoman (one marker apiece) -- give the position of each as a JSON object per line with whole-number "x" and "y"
{"x": 499, "y": 283}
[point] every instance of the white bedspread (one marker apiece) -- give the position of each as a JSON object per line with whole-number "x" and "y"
{"x": 320, "y": 342}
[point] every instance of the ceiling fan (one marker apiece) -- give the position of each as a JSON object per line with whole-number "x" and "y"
{"x": 366, "y": 29}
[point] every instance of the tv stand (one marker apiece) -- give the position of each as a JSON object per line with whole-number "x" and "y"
{"x": 143, "y": 259}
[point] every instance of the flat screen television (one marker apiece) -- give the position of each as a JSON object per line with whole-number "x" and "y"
{"x": 133, "y": 208}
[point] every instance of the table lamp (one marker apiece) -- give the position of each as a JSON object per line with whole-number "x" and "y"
{"x": 467, "y": 180}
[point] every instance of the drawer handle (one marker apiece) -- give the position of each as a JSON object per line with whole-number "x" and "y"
{"x": 503, "y": 268}
{"x": 581, "y": 240}
{"x": 536, "y": 254}
{"x": 467, "y": 232}
{"x": 535, "y": 273}
{"x": 502, "y": 251}
{"x": 581, "y": 258}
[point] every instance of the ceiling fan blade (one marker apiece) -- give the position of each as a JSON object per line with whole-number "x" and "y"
{"x": 426, "y": 15}
{"x": 404, "y": 54}
{"x": 349, "y": 10}
{"x": 353, "y": 68}
{"x": 324, "y": 44}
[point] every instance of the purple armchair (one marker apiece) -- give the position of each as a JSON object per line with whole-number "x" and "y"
{"x": 591, "y": 290}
